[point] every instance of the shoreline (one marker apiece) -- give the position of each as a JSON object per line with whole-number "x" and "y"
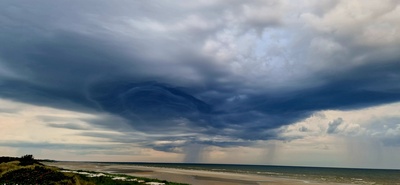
{"x": 193, "y": 177}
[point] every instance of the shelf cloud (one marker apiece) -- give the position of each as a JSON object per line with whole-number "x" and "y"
{"x": 235, "y": 71}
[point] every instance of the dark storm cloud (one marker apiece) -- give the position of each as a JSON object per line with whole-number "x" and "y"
{"x": 144, "y": 100}
{"x": 144, "y": 65}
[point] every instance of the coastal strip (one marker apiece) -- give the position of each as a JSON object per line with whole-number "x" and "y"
{"x": 194, "y": 177}
{"x": 27, "y": 170}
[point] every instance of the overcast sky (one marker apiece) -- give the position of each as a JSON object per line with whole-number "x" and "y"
{"x": 308, "y": 82}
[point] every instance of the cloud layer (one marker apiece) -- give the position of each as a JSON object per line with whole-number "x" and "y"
{"x": 232, "y": 71}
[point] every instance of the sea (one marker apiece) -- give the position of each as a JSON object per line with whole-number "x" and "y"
{"x": 315, "y": 174}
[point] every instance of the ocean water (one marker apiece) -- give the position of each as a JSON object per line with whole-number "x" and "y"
{"x": 320, "y": 174}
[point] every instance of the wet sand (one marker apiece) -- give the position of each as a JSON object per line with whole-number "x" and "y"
{"x": 194, "y": 177}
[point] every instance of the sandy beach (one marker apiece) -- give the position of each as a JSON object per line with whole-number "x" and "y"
{"x": 194, "y": 177}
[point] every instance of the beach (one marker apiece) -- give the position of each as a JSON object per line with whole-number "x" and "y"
{"x": 194, "y": 177}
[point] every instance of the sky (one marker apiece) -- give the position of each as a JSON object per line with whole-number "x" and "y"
{"x": 310, "y": 82}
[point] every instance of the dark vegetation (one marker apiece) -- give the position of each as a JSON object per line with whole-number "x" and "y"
{"x": 24, "y": 160}
{"x": 36, "y": 175}
{"x": 26, "y": 170}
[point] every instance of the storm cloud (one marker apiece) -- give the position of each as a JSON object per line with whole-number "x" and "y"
{"x": 233, "y": 71}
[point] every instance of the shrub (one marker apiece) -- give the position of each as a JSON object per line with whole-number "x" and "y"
{"x": 27, "y": 160}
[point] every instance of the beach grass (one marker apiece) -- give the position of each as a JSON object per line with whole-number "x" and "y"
{"x": 29, "y": 171}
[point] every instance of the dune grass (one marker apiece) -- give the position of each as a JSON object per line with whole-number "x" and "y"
{"x": 29, "y": 171}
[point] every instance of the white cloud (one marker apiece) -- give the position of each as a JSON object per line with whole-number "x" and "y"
{"x": 373, "y": 131}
